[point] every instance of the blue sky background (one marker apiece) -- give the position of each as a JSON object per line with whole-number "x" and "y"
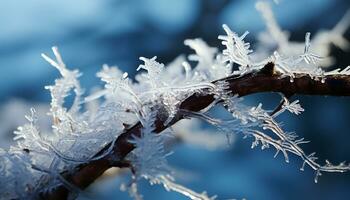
{"x": 91, "y": 33}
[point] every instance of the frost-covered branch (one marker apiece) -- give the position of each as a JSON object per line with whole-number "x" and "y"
{"x": 265, "y": 80}
{"x": 127, "y": 123}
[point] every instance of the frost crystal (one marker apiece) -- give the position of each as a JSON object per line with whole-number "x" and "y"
{"x": 149, "y": 156}
{"x": 154, "y": 71}
{"x": 237, "y": 51}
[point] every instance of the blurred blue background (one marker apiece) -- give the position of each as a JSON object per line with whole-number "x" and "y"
{"x": 91, "y": 33}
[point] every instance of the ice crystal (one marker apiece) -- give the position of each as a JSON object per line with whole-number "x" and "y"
{"x": 237, "y": 51}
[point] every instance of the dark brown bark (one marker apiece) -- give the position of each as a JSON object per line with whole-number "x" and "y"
{"x": 265, "y": 80}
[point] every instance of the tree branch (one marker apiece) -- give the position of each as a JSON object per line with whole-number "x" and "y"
{"x": 265, "y": 80}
